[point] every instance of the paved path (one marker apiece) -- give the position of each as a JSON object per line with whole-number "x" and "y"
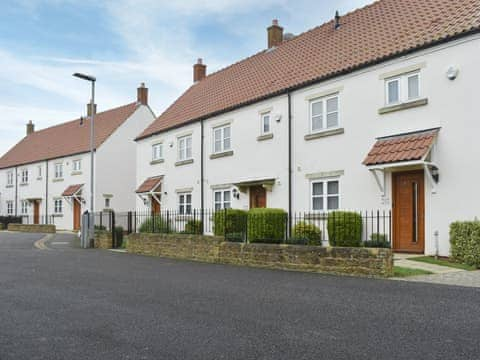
{"x": 404, "y": 261}
{"x": 68, "y": 303}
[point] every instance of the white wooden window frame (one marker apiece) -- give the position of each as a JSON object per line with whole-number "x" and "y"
{"x": 325, "y": 194}
{"x": 264, "y": 116}
{"x": 157, "y": 151}
{"x": 403, "y": 90}
{"x": 9, "y": 207}
{"x": 58, "y": 206}
{"x": 39, "y": 171}
{"x": 185, "y": 151}
{"x": 58, "y": 173}
{"x": 220, "y": 203}
{"x": 324, "y": 100}
{"x": 185, "y": 203}
{"x": 24, "y": 176}
{"x": 225, "y": 142}
{"x": 24, "y": 207}
{"x": 77, "y": 165}
{"x": 10, "y": 178}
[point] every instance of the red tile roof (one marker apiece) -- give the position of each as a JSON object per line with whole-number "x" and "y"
{"x": 72, "y": 190}
{"x": 149, "y": 185}
{"x": 377, "y": 32}
{"x": 407, "y": 147}
{"x": 66, "y": 139}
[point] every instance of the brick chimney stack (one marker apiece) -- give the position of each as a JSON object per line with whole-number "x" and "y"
{"x": 199, "y": 71}
{"x": 30, "y": 128}
{"x": 89, "y": 109}
{"x": 142, "y": 94}
{"x": 275, "y": 34}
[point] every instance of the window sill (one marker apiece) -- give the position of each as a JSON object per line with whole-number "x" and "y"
{"x": 403, "y": 106}
{"x": 23, "y": 184}
{"x": 39, "y": 178}
{"x": 9, "y": 186}
{"x": 324, "y": 133}
{"x": 159, "y": 161}
{"x": 57, "y": 215}
{"x": 184, "y": 162}
{"x": 57, "y": 180}
{"x": 265, "y": 137}
{"x": 76, "y": 173}
{"x": 221, "y": 154}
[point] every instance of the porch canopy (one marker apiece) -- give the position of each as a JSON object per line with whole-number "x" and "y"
{"x": 266, "y": 183}
{"x": 411, "y": 149}
{"x": 151, "y": 186}
{"x": 73, "y": 192}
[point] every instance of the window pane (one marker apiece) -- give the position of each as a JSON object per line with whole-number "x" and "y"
{"x": 226, "y": 144}
{"x": 218, "y": 146}
{"x": 189, "y": 142}
{"x": 318, "y": 203}
{"x": 226, "y": 132}
{"x": 393, "y": 92}
{"x": 332, "y": 203}
{"x": 413, "y": 91}
{"x": 332, "y": 120}
{"x": 317, "y": 108}
{"x": 332, "y": 187}
{"x": 227, "y": 205}
{"x": 226, "y": 196}
{"x": 317, "y": 188}
{"x": 332, "y": 104}
{"x": 218, "y": 206}
{"x": 218, "y": 134}
{"x": 317, "y": 122}
{"x": 189, "y": 198}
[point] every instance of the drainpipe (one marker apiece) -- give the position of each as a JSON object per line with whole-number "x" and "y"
{"x": 289, "y": 163}
{"x": 16, "y": 190}
{"x": 202, "y": 163}
{"x": 46, "y": 192}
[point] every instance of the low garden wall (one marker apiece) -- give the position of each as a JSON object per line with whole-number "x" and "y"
{"x": 340, "y": 260}
{"x": 103, "y": 239}
{"x": 31, "y": 228}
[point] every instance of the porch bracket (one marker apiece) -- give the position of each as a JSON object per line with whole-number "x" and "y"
{"x": 428, "y": 170}
{"x": 380, "y": 182}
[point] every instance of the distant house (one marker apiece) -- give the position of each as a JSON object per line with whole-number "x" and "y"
{"x": 372, "y": 110}
{"x": 46, "y": 176}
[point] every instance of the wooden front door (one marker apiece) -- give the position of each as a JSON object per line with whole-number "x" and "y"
{"x": 409, "y": 211}
{"x": 258, "y": 197}
{"x": 36, "y": 212}
{"x": 155, "y": 206}
{"x": 76, "y": 214}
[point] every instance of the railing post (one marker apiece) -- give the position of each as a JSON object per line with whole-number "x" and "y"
{"x": 168, "y": 222}
{"x": 225, "y": 224}
{"x": 114, "y": 240}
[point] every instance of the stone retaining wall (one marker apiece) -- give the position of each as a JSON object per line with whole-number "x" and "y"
{"x": 31, "y": 228}
{"x": 340, "y": 260}
{"x": 103, "y": 239}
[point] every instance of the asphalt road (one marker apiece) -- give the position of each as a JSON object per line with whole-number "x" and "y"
{"x": 68, "y": 303}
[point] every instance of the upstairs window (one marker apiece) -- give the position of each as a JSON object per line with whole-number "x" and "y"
{"x": 325, "y": 195}
{"x": 58, "y": 171}
{"x": 25, "y": 176}
{"x": 157, "y": 152}
{"x": 39, "y": 171}
{"x": 324, "y": 113}
{"x": 185, "y": 203}
{"x": 77, "y": 165}
{"x": 9, "y": 207}
{"x": 266, "y": 123}
{"x": 10, "y": 178}
{"x": 402, "y": 88}
{"x": 185, "y": 148}
{"x": 222, "y": 199}
{"x": 221, "y": 139}
{"x": 58, "y": 206}
{"x": 107, "y": 203}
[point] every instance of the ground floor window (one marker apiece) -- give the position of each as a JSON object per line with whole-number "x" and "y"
{"x": 185, "y": 203}
{"x": 9, "y": 207}
{"x": 58, "y": 208}
{"x": 24, "y": 207}
{"x": 222, "y": 199}
{"x": 325, "y": 195}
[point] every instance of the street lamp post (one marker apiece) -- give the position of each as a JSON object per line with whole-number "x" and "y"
{"x": 92, "y": 150}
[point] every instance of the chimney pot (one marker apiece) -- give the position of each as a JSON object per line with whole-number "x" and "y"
{"x": 199, "y": 71}
{"x": 91, "y": 111}
{"x": 142, "y": 94}
{"x": 337, "y": 20}
{"x": 275, "y": 34}
{"x": 30, "y": 128}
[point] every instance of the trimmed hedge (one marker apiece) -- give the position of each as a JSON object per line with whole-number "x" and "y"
{"x": 377, "y": 241}
{"x": 465, "y": 242}
{"x": 119, "y": 236}
{"x": 344, "y": 228}
{"x": 266, "y": 225}
{"x": 310, "y": 233}
{"x": 157, "y": 224}
{"x": 233, "y": 227}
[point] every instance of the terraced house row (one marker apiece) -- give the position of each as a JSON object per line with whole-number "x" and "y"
{"x": 374, "y": 109}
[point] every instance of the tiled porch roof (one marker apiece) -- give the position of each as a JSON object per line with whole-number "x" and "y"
{"x": 72, "y": 190}
{"x": 149, "y": 184}
{"x": 398, "y": 148}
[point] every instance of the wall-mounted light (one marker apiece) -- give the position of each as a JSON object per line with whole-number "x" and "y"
{"x": 452, "y": 73}
{"x": 164, "y": 193}
{"x": 435, "y": 174}
{"x": 277, "y": 117}
{"x": 171, "y": 144}
{"x": 236, "y": 194}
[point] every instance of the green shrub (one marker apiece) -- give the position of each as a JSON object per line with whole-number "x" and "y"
{"x": 157, "y": 224}
{"x": 311, "y": 233}
{"x": 235, "y": 222}
{"x": 377, "y": 241}
{"x": 266, "y": 225}
{"x": 344, "y": 228}
{"x": 118, "y": 236}
{"x": 194, "y": 227}
{"x": 99, "y": 227}
{"x": 465, "y": 242}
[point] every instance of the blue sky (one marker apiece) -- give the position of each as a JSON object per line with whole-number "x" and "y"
{"x": 123, "y": 43}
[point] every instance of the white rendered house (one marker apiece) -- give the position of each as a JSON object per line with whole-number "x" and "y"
{"x": 46, "y": 176}
{"x": 349, "y": 115}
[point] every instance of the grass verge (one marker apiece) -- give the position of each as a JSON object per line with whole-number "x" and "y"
{"x": 442, "y": 262}
{"x": 399, "y": 271}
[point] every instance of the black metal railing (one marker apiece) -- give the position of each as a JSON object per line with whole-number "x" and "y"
{"x": 40, "y": 219}
{"x": 5, "y": 220}
{"x": 337, "y": 228}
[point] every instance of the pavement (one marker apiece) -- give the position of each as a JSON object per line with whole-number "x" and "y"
{"x": 62, "y": 302}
